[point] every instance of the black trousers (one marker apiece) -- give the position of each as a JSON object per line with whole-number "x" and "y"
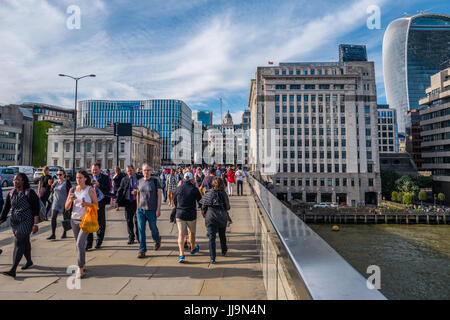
{"x": 101, "y": 224}
{"x": 212, "y": 231}
{"x": 22, "y": 247}
{"x": 130, "y": 216}
{"x": 240, "y": 186}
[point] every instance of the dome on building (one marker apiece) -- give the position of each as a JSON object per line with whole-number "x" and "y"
{"x": 228, "y": 121}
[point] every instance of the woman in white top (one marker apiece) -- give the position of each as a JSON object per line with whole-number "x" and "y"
{"x": 80, "y": 197}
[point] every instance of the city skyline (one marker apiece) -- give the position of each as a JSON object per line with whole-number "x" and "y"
{"x": 196, "y": 52}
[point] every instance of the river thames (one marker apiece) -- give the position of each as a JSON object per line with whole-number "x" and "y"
{"x": 414, "y": 260}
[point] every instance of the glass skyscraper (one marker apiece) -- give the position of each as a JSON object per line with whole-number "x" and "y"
{"x": 205, "y": 117}
{"x": 164, "y": 116}
{"x": 414, "y": 48}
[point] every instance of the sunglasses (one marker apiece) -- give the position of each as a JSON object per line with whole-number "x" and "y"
{"x": 59, "y": 174}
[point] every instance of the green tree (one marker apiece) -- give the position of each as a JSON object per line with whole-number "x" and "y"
{"x": 407, "y": 184}
{"x": 441, "y": 197}
{"x": 408, "y": 198}
{"x": 394, "y": 196}
{"x": 422, "y": 196}
{"x": 388, "y": 179}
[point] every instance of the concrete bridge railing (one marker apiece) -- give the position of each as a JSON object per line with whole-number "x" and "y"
{"x": 296, "y": 262}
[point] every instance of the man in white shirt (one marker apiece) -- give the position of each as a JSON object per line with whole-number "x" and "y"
{"x": 240, "y": 174}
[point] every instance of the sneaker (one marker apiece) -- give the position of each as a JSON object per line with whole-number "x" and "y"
{"x": 196, "y": 250}
{"x": 212, "y": 261}
{"x": 224, "y": 253}
{"x": 181, "y": 259}
{"x": 64, "y": 235}
{"x": 141, "y": 255}
{"x": 27, "y": 265}
{"x": 131, "y": 241}
{"x": 52, "y": 237}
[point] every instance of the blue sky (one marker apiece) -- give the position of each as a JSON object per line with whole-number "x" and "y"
{"x": 196, "y": 51}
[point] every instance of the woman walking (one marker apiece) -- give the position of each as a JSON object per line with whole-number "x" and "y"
{"x": 45, "y": 187}
{"x": 215, "y": 205}
{"x": 61, "y": 189}
{"x": 231, "y": 181}
{"x": 199, "y": 179}
{"x": 172, "y": 181}
{"x": 24, "y": 205}
{"x": 81, "y": 197}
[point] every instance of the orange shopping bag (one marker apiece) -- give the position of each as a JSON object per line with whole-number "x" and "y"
{"x": 89, "y": 224}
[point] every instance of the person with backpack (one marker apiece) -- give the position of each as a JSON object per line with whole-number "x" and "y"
{"x": 23, "y": 203}
{"x": 61, "y": 189}
{"x": 215, "y": 204}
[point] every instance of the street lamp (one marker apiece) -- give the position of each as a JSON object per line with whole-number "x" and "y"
{"x": 75, "y": 114}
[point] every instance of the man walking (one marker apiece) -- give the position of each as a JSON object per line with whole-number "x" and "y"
{"x": 240, "y": 174}
{"x": 186, "y": 198}
{"x": 149, "y": 196}
{"x": 126, "y": 197}
{"x": 102, "y": 188}
{"x": 207, "y": 181}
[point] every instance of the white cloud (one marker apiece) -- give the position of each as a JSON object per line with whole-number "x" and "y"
{"x": 216, "y": 57}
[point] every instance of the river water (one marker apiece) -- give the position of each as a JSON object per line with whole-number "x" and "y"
{"x": 414, "y": 260}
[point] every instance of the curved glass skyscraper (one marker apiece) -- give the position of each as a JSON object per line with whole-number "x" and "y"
{"x": 414, "y": 48}
{"x": 164, "y": 116}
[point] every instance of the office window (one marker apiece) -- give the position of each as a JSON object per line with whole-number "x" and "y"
{"x": 315, "y": 182}
{"x": 299, "y": 182}
{"x": 344, "y": 168}
{"x": 78, "y": 146}
{"x": 122, "y": 147}
{"x": 307, "y": 182}
{"x": 99, "y": 147}
{"x": 67, "y": 148}
{"x": 299, "y": 168}
{"x": 55, "y": 147}
{"x": 330, "y": 182}
{"x": 370, "y": 182}
{"x": 88, "y": 147}
{"x": 110, "y": 147}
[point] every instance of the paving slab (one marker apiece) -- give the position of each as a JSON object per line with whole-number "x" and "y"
{"x": 115, "y": 272}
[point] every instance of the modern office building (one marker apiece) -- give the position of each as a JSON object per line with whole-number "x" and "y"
{"x": 325, "y": 114}
{"x": 435, "y": 124}
{"x": 413, "y": 138}
{"x": 351, "y": 52}
{"x": 16, "y": 136}
{"x": 164, "y": 116}
{"x": 95, "y": 145}
{"x": 204, "y": 117}
{"x": 387, "y": 129}
{"x": 53, "y": 114}
{"x": 414, "y": 48}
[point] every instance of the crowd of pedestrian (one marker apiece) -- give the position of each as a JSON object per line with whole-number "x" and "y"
{"x": 138, "y": 191}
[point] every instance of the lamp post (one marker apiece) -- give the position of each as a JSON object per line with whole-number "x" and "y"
{"x": 75, "y": 114}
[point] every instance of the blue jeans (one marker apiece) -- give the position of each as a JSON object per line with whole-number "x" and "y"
{"x": 142, "y": 217}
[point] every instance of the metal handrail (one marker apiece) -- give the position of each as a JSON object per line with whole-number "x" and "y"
{"x": 326, "y": 275}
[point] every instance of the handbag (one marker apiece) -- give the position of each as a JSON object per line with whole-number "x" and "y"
{"x": 89, "y": 224}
